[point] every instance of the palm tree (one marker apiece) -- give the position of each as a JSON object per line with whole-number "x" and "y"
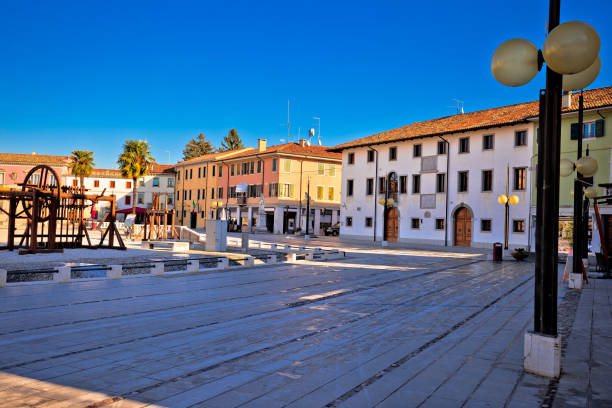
{"x": 81, "y": 165}
{"x": 135, "y": 162}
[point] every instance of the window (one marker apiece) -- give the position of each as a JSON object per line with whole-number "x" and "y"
{"x": 198, "y": 194}
{"x": 368, "y": 222}
{"x": 370, "y": 156}
{"x": 416, "y": 150}
{"x": 220, "y": 171}
{"x": 464, "y": 145}
{"x": 520, "y": 138}
{"x": 170, "y": 199}
{"x": 320, "y": 169}
{"x": 189, "y": 194}
{"x": 178, "y": 175}
{"x": 96, "y": 183}
{"x": 155, "y": 181}
{"x": 415, "y": 223}
{"x": 213, "y": 170}
{"x": 351, "y": 158}
{"x": 287, "y": 190}
{"x": 128, "y": 184}
{"x": 331, "y": 171}
{"x": 202, "y": 214}
{"x": 75, "y": 183}
{"x": 170, "y": 182}
{"x": 273, "y": 189}
{"x": 142, "y": 182}
{"x": 487, "y": 142}
{"x": 112, "y": 184}
{"x": 518, "y": 226}
{"x": 258, "y": 166}
{"x": 439, "y": 223}
{"x": 203, "y": 194}
{"x": 591, "y": 129}
{"x": 199, "y": 172}
{"x": 349, "y": 188}
{"x": 369, "y": 186}
{"x": 212, "y": 193}
{"x": 393, "y": 153}
{"x": 1, "y": 178}
{"x": 403, "y": 184}
{"x": 184, "y": 194}
{"x": 140, "y": 198}
{"x": 462, "y": 185}
{"x": 331, "y": 193}
{"x": 440, "y": 183}
{"x": 128, "y": 199}
{"x": 441, "y": 147}
{"x": 416, "y": 183}
{"x": 220, "y": 192}
{"x": 287, "y": 165}
{"x": 190, "y": 174}
{"x": 186, "y": 175}
{"x": 274, "y": 164}
{"x": 487, "y": 180}
{"x": 245, "y": 168}
{"x": 485, "y": 225}
{"x": 252, "y": 167}
{"x": 520, "y": 178}
{"x": 233, "y": 170}
{"x": 319, "y": 192}
{"x": 381, "y": 185}
{"x": 204, "y": 171}
{"x": 349, "y": 221}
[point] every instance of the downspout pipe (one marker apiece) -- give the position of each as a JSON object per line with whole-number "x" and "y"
{"x": 375, "y": 189}
{"x": 446, "y": 190}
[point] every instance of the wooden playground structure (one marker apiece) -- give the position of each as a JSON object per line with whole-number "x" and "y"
{"x": 44, "y": 216}
{"x": 156, "y": 220}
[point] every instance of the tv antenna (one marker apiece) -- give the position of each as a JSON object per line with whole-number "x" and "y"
{"x": 319, "y": 124}
{"x": 288, "y": 124}
{"x": 311, "y": 133}
{"x": 458, "y": 105}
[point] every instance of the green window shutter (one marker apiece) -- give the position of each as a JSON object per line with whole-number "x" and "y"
{"x": 290, "y": 190}
{"x": 575, "y": 131}
{"x": 599, "y": 128}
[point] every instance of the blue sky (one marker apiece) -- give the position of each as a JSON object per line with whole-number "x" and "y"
{"x": 88, "y": 75}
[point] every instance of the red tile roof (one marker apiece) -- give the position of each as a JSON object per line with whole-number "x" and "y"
{"x": 162, "y": 168}
{"x": 18, "y": 158}
{"x": 213, "y": 156}
{"x": 293, "y": 148}
{"x": 484, "y": 119}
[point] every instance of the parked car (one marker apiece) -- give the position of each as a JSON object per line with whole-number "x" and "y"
{"x": 333, "y": 230}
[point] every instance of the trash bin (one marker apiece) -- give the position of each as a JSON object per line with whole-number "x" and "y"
{"x": 497, "y": 251}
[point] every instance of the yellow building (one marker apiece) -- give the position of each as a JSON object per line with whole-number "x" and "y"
{"x": 199, "y": 188}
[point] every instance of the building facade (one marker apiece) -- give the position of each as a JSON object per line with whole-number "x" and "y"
{"x": 597, "y": 137}
{"x": 442, "y": 179}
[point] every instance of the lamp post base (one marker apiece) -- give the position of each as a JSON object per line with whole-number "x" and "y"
{"x": 542, "y": 354}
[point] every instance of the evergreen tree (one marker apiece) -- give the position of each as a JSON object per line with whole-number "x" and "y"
{"x": 197, "y": 147}
{"x": 231, "y": 141}
{"x": 135, "y": 162}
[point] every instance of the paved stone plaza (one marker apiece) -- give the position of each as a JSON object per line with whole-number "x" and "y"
{"x": 396, "y": 328}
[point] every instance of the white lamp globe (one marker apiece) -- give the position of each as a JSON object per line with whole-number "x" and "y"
{"x": 571, "y": 47}
{"x": 591, "y": 192}
{"x": 587, "y": 166}
{"x": 582, "y": 79}
{"x": 566, "y": 167}
{"x": 515, "y": 62}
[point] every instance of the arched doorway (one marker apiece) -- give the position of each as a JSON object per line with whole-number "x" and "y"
{"x": 392, "y": 230}
{"x": 463, "y": 227}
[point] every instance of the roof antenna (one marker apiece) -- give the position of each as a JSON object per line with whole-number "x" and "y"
{"x": 287, "y": 124}
{"x": 311, "y": 133}
{"x": 319, "y": 135}
{"x": 458, "y": 106}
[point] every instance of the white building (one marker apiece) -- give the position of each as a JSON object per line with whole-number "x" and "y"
{"x": 446, "y": 193}
{"x": 111, "y": 181}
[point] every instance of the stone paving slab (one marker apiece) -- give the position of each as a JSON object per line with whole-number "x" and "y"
{"x": 391, "y": 328}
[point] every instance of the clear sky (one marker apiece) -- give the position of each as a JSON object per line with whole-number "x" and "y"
{"x": 88, "y": 75}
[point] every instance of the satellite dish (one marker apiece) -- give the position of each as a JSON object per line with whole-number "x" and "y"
{"x": 242, "y": 188}
{"x": 311, "y": 132}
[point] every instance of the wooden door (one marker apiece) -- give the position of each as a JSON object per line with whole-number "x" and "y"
{"x": 463, "y": 227}
{"x": 392, "y": 231}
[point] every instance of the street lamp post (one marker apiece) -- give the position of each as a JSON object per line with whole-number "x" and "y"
{"x": 506, "y": 200}
{"x": 307, "y": 236}
{"x": 571, "y": 50}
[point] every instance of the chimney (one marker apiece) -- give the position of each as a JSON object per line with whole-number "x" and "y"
{"x": 261, "y": 145}
{"x": 567, "y": 100}
{"x": 302, "y": 142}
{"x": 33, "y": 152}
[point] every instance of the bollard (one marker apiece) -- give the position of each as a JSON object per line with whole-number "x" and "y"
{"x": 249, "y": 261}
{"x": 114, "y": 272}
{"x": 291, "y": 257}
{"x": 158, "y": 268}
{"x": 193, "y": 265}
{"x": 223, "y": 263}
{"x": 2, "y": 278}
{"x": 271, "y": 259}
{"x": 62, "y": 275}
